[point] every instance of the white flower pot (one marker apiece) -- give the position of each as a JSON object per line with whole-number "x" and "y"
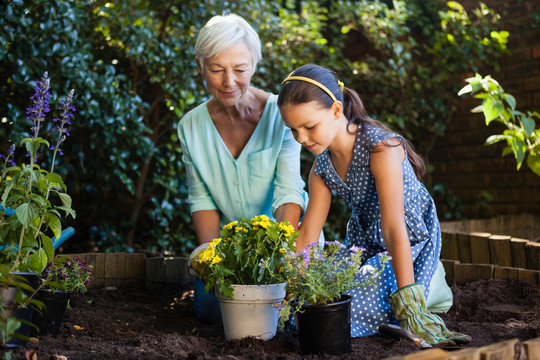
{"x": 253, "y": 312}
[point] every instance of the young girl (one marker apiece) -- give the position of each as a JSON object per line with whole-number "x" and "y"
{"x": 377, "y": 173}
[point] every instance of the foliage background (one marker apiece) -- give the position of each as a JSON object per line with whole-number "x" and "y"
{"x": 132, "y": 66}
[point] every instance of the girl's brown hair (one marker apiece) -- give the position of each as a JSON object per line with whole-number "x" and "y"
{"x": 296, "y": 92}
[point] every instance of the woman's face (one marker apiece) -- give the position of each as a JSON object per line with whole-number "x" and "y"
{"x": 312, "y": 125}
{"x": 228, "y": 74}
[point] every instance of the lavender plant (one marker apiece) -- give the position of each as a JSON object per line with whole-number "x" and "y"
{"x": 316, "y": 276}
{"x": 31, "y": 198}
{"x": 65, "y": 273}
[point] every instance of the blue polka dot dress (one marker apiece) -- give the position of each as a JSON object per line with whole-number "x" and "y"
{"x": 370, "y": 307}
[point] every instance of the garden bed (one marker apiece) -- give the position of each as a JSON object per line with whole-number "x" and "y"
{"x": 126, "y": 323}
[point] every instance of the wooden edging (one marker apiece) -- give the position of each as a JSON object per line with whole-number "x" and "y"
{"x": 116, "y": 269}
{"x": 478, "y": 255}
{"x": 123, "y": 270}
{"x": 487, "y": 248}
{"x": 509, "y": 349}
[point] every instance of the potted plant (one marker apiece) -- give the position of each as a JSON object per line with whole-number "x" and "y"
{"x": 32, "y": 198}
{"x": 17, "y": 301}
{"x": 244, "y": 267}
{"x": 62, "y": 277}
{"x": 317, "y": 285}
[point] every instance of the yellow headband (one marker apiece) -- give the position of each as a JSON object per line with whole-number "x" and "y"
{"x": 314, "y": 82}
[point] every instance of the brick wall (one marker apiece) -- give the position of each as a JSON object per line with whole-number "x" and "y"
{"x": 461, "y": 161}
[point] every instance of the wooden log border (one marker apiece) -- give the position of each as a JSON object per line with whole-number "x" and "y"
{"x": 470, "y": 256}
{"x": 509, "y": 349}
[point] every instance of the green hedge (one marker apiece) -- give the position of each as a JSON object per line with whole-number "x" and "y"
{"x": 132, "y": 66}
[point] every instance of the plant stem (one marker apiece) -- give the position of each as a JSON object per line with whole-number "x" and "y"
{"x": 20, "y": 245}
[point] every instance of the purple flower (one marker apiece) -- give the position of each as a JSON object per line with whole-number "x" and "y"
{"x": 66, "y": 113}
{"x": 337, "y": 243}
{"x": 8, "y": 156}
{"x": 39, "y": 104}
{"x": 355, "y": 249}
{"x": 29, "y": 155}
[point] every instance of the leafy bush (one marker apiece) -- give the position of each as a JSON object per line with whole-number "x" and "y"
{"x": 133, "y": 66}
{"x": 521, "y": 135}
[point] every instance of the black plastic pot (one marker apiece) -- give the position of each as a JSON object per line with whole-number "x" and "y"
{"x": 49, "y": 320}
{"x": 13, "y": 311}
{"x": 325, "y": 328}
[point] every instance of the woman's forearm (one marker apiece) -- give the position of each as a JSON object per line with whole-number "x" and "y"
{"x": 206, "y": 224}
{"x": 290, "y": 212}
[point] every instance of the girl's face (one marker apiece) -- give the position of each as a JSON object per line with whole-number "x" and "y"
{"x": 228, "y": 74}
{"x": 312, "y": 125}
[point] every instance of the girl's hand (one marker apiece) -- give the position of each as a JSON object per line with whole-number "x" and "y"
{"x": 409, "y": 306}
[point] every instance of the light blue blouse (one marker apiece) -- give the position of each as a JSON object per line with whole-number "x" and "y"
{"x": 265, "y": 176}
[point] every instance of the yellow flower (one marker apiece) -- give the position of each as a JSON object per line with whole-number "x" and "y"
{"x": 245, "y": 230}
{"x": 207, "y": 255}
{"x": 282, "y": 250}
{"x": 230, "y": 225}
{"x": 259, "y": 219}
{"x": 239, "y": 228}
{"x": 215, "y": 242}
{"x": 216, "y": 259}
{"x": 287, "y": 229}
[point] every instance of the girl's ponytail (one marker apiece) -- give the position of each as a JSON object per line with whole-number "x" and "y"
{"x": 356, "y": 113}
{"x": 316, "y": 83}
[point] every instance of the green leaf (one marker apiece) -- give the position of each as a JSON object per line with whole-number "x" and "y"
{"x": 47, "y": 245}
{"x": 465, "y": 90}
{"x": 53, "y": 222}
{"x": 57, "y": 179}
{"x": 533, "y": 162}
{"x": 492, "y": 110}
{"x": 518, "y": 147}
{"x": 38, "y": 261}
{"x": 495, "y": 139}
{"x": 455, "y": 5}
{"x": 476, "y": 86}
{"x": 528, "y": 125}
{"x": 66, "y": 199}
{"x": 26, "y": 213}
{"x": 510, "y": 100}
{"x": 478, "y": 109}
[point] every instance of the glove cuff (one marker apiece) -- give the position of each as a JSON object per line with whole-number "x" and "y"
{"x": 193, "y": 263}
{"x": 408, "y": 300}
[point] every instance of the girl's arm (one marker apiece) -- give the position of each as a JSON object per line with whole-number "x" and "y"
{"x": 316, "y": 212}
{"x": 288, "y": 200}
{"x": 385, "y": 166}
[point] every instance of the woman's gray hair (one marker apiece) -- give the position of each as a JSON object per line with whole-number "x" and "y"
{"x": 221, "y": 33}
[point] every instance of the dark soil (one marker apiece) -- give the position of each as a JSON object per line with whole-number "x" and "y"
{"x": 128, "y": 324}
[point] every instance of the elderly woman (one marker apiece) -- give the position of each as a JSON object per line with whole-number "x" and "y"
{"x": 241, "y": 160}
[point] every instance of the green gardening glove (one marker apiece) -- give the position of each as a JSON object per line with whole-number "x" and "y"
{"x": 409, "y": 306}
